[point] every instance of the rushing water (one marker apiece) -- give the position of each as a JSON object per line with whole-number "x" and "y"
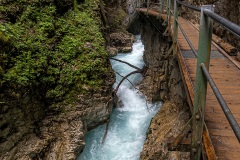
{"x": 128, "y": 122}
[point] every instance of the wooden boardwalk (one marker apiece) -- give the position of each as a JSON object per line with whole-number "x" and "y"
{"x": 226, "y": 74}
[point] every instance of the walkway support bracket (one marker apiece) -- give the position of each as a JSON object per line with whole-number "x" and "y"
{"x": 204, "y": 48}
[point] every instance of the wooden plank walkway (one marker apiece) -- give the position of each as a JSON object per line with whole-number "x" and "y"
{"x": 226, "y": 75}
{"x": 227, "y": 78}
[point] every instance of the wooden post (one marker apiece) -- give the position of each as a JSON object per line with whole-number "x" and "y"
{"x": 175, "y": 26}
{"x": 204, "y": 49}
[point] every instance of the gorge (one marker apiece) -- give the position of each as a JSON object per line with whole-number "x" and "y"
{"x": 56, "y": 80}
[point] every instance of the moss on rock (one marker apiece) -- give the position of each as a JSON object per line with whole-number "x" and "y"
{"x": 50, "y": 53}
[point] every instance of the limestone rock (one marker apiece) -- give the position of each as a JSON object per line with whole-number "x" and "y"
{"x": 168, "y": 122}
{"x": 57, "y": 136}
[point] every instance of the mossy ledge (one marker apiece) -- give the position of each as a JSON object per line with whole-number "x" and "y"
{"x": 51, "y": 50}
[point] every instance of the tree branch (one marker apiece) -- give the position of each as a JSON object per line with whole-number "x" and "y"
{"x": 139, "y": 69}
{"x": 125, "y": 77}
{"x": 106, "y": 131}
{"x": 136, "y": 89}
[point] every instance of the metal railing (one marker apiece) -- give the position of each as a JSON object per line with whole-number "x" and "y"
{"x": 202, "y": 74}
{"x": 203, "y": 61}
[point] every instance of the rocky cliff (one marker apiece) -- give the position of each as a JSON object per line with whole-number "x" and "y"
{"x": 229, "y": 10}
{"x": 162, "y": 82}
{"x": 55, "y": 77}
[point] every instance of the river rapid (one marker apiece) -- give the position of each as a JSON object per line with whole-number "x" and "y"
{"x": 129, "y": 121}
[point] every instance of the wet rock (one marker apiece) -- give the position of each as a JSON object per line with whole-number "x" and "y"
{"x": 167, "y": 123}
{"x": 59, "y": 136}
{"x": 122, "y": 41}
{"x": 112, "y": 51}
{"x": 124, "y": 49}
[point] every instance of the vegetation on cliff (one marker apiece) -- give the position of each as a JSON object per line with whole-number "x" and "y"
{"x": 51, "y": 48}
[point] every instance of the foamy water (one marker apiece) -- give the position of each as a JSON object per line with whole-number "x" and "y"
{"x": 128, "y": 122}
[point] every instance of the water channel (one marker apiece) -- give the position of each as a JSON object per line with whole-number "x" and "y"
{"x": 129, "y": 121}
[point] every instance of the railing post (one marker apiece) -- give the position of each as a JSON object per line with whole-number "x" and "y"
{"x": 204, "y": 49}
{"x": 175, "y": 26}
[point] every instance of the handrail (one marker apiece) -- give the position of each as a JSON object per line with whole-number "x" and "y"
{"x": 189, "y": 6}
{"x": 207, "y": 15}
{"x": 234, "y": 28}
{"x": 187, "y": 39}
{"x": 232, "y": 121}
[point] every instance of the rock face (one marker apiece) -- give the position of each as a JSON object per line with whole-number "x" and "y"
{"x": 32, "y": 126}
{"x": 119, "y": 16}
{"x": 57, "y": 136}
{"x": 122, "y": 41}
{"x": 166, "y": 124}
{"x": 229, "y": 10}
{"x": 225, "y": 8}
{"x": 162, "y": 81}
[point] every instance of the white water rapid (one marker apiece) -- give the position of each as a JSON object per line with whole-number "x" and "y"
{"x": 128, "y": 122}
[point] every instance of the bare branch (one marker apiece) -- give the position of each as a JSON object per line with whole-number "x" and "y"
{"x": 126, "y": 79}
{"x": 106, "y": 131}
{"x": 136, "y": 89}
{"x": 134, "y": 72}
{"x": 139, "y": 69}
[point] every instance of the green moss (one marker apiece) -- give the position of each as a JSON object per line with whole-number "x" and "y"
{"x": 54, "y": 55}
{"x": 116, "y": 19}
